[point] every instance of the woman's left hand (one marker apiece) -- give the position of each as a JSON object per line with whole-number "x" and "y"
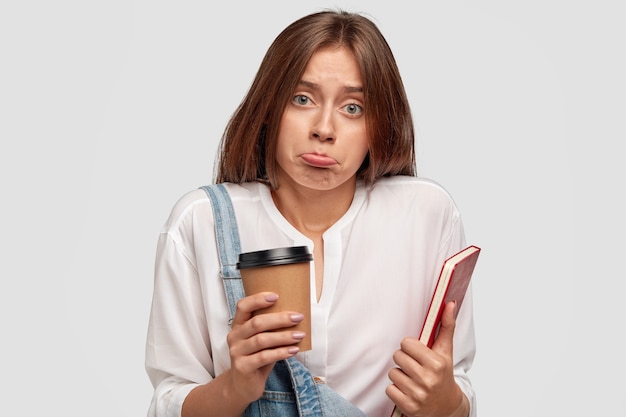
{"x": 423, "y": 383}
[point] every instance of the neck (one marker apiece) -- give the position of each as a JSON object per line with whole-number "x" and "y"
{"x": 310, "y": 211}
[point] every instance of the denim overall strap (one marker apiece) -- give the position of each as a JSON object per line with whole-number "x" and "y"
{"x": 228, "y": 244}
{"x": 290, "y": 390}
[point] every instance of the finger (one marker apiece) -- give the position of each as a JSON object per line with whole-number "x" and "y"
{"x": 400, "y": 380}
{"x": 265, "y": 331}
{"x": 396, "y": 395}
{"x": 271, "y": 340}
{"x": 268, "y": 322}
{"x": 246, "y": 306}
{"x": 262, "y": 360}
{"x": 444, "y": 341}
{"x": 414, "y": 351}
{"x": 263, "y": 349}
{"x": 410, "y": 360}
{"x": 403, "y": 391}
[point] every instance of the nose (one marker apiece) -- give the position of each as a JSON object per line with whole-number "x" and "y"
{"x": 323, "y": 128}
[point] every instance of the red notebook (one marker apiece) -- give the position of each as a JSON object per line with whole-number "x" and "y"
{"x": 452, "y": 284}
{"x": 454, "y": 279}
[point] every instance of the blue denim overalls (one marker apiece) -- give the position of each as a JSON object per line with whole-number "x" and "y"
{"x": 290, "y": 389}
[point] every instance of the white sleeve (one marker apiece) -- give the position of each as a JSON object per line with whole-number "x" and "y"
{"x": 178, "y": 345}
{"x": 464, "y": 343}
{"x": 465, "y": 349}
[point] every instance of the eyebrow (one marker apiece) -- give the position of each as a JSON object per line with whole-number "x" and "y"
{"x": 347, "y": 88}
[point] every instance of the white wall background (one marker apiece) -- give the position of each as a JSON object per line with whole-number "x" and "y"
{"x": 111, "y": 110}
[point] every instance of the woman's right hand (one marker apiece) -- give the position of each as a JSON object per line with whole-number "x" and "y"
{"x": 255, "y": 345}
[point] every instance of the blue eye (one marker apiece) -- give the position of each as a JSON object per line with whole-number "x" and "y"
{"x": 301, "y": 100}
{"x": 353, "y": 109}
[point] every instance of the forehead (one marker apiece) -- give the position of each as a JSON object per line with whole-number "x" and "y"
{"x": 333, "y": 64}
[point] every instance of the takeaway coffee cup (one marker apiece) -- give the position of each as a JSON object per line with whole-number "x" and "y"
{"x": 286, "y": 272}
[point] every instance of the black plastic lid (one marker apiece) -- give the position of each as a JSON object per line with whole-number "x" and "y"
{"x": 278, "y": 256}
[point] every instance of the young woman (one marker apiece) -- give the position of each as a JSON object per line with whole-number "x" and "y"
{"x": 319, "y": 153}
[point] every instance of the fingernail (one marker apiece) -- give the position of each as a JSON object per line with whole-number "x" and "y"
{"x": 296, "y": 317}
{"x": 293, "y": 350}
{"x": 271, "y": 297}
{"x": 298, "y": 335}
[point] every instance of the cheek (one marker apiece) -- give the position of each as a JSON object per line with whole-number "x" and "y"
{"x": 362, "y": 146}
{"x": 363, "y": 152}
{"x": 288, "y": 132}
{"x": 281, "y": 149}
{"x": 357, "y": 151}
{"x": 291, "y": 121}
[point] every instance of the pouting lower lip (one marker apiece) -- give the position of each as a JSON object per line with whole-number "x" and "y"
{"x": 318, "y": 160}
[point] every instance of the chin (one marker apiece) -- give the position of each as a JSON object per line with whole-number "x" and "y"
{"x": 326, "y": 183}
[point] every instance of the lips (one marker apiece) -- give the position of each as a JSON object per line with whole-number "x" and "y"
{"x": 318, "y": 160}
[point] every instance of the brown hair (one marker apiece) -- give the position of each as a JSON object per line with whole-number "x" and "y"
{"x": 248, "y": 146}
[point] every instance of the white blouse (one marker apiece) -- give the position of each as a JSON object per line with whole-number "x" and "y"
{"x": 381, "y": 261}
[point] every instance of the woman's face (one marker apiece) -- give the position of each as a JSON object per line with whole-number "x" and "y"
{"x": 322, "y": 140}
